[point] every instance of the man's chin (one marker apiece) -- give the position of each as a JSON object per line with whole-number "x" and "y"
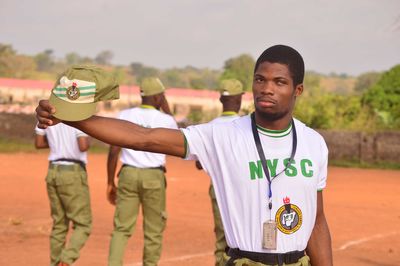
{"x": 269, "y": 115}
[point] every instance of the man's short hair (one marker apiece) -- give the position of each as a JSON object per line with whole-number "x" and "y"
{"x": 286, "y": 55}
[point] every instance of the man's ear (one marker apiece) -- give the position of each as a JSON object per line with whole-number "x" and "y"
{"x": 298, "y": 90}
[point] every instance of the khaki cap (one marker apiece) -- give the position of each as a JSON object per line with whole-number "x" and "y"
{"x": 79, "y": 88}
{"x": 230, "y": 87}
{"x": 151, "y": 86}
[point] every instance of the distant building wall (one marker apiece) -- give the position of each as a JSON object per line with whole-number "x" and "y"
{"x": 21, "y": 96}
{"x": 361, "y": 146}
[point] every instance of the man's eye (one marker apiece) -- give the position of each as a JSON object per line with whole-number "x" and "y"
{"x": 258, "y": 80}
{"x": 280, "y": 82}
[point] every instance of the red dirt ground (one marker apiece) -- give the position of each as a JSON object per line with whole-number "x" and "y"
{"x": 362, "y": 208}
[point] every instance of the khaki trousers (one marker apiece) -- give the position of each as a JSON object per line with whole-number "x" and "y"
{"x": 69, "y": 198}
{"x": 137, "y": 187}
{"x": 220, "y": 242}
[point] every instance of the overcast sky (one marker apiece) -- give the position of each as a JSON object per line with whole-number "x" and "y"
{"x": 342, "y": 36}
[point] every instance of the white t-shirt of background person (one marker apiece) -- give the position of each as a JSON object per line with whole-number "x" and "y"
{"x": 63, "y": 143}
{"x": 151, "y": 118}
{"x": 217, "y": 120}
{"x": 228, "y": 154}
{"x": 224, "y": 118}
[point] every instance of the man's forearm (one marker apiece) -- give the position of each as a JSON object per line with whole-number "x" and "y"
{"x": 109, "y": 130}
{"x": 319, "y": 247}
{"x": 41, "y": 142}
{"x": 112, "y": 161}
{"x": 129, "y": 135}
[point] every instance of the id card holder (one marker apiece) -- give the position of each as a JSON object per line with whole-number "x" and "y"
{"x": 269, "y": 235}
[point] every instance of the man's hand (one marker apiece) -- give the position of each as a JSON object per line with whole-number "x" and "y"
{"x": 112, "y": 193}
{"x": 44, "y": 114}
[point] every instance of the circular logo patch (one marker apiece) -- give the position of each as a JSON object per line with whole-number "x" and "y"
{"x": 73, "y": 92}
{"x": 288, "y": 217}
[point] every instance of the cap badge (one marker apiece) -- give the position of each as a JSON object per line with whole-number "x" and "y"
{"x": 73, "y": 92}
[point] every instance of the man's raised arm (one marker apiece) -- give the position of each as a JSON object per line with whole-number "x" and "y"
{"x": 119, "y": 132}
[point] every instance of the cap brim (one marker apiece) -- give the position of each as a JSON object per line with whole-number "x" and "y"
{"x": 72, "y": 111}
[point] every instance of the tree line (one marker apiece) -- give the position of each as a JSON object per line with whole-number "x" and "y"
{"x": 368, "y": 102}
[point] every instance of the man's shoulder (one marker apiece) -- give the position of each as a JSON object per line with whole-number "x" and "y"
{"x": 235, "y": 126}
{"x": 163, "y": 120}
{"x": 164, "y": 115}
{"x": 129, "y": 110}
{"x": 309, "y": 133}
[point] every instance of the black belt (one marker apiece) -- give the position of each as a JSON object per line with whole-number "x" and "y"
{"x": 265, "y": 258}
{"x": 161, "y": 167}
{"x": 82, "y": 164}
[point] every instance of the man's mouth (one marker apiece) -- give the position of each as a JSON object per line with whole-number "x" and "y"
{"x": 266, "y": 102}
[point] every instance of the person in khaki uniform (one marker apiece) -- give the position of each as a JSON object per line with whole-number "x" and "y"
{"x": 231, "y": 98}
{"x": 141, "y": 180}
{"x": 67, "y": 190}
{"x": 268, "y": 169}
{"x": 67, "y": 186}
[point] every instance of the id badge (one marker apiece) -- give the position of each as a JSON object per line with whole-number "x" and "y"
{"x": 269, "y": 235}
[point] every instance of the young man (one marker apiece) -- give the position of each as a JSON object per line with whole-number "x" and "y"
{"x": 141, "y": 180}
{"x": 67, "y": 189}
{"x": 270, "y": 216}
{"x": 231, "y": 99}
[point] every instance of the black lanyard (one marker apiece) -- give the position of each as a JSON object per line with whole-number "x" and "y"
{"x": 262, "y": 156}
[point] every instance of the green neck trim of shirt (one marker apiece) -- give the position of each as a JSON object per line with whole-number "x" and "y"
{"x": 275, "y": 133}
{"x": 229, "y": 113}
{"x": 145, "y": 106}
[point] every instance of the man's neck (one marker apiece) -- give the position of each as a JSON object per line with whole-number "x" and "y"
{"x": 149, "y": 104}
{"x": 230, "y": 109}
{"x": 278, "y": 124}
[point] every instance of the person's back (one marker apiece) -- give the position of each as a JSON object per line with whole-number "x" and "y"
{"x": 67, "y": 189}
{"x": 141, "y": 180}
{"x": 149, "y": 117}
{"x": 64, "y": 142}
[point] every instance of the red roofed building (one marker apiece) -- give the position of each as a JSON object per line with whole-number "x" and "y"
{"x": 17, "y": 95}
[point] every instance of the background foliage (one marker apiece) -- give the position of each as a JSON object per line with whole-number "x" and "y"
{"x": 369, "y": 102}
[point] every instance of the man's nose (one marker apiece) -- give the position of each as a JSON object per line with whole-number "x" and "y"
{"x": 268, "y": 88}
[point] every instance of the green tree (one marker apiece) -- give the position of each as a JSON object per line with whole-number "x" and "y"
{"x": 209, "y": 78}
{"x": 173, "y": 78}
{"x": 384, "y": 97}
{"x": 365, "y": 81}
{"x": 312, "y": 83}
{"x": 240, "y": 68}
{"x": 73, "y": 58}
{"x": 6, "y": 50}
{"x": 13, "y": 65}
{"x": 104, "y": 58}
{"x": 121, "y": 75}
{"x": 197, "y": 83}
{"x": 140, "y": 71}
{"x": 45, "y": 60}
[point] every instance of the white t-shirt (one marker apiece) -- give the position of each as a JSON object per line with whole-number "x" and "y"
{"x": 228, "y": 154}
{"x": 151, "y": 118}
{"x": 63, "y": 142}
{"x": 225, "y": 118}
